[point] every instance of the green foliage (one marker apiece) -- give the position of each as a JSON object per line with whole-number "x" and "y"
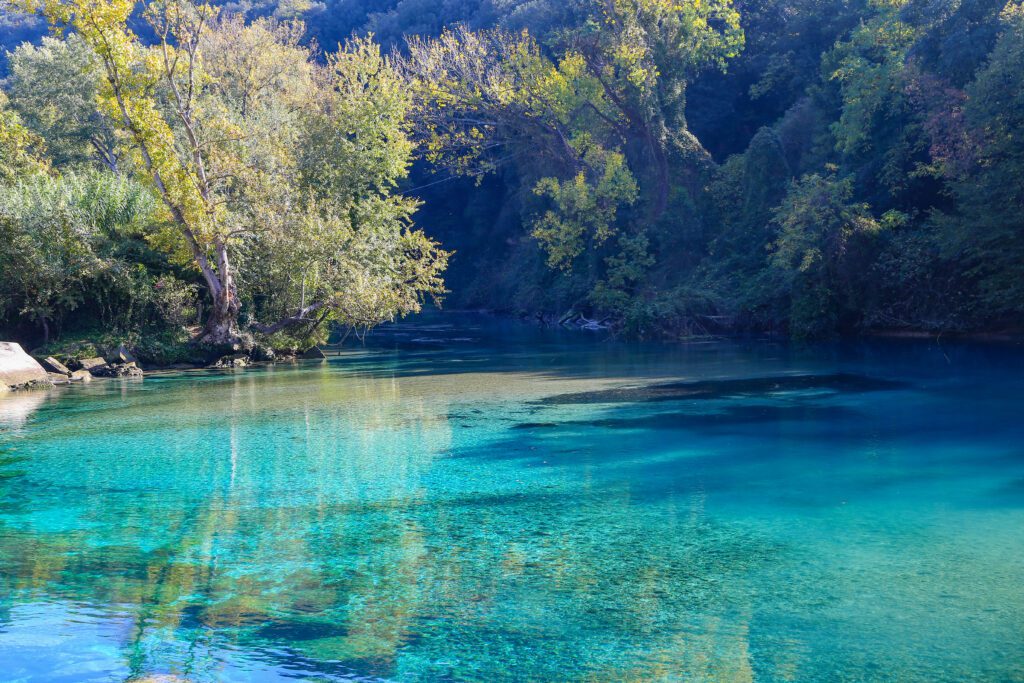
{"x": 624, "y": 275}
{"x": 46, "y": 255}
{"x": 584, "y": 207}
{"x": 54, "y": 87}
{"x": 820, "y": 247}
{"x": 266, "y": 178}
{"x": 869, "y": 69}
{"x": 20, "y": 150}
{"x": 64, "y": 246}
{"x": 987, "y": 229}
{"x": 275, "y": 174}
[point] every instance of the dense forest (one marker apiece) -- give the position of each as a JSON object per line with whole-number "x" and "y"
{"x": 273, "y": 170}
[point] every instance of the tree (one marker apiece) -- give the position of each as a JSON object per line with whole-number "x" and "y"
{"x": 491, "y": 90}
{"x": 219, "y": 115}
{"x": 620, "y": 72}
{"x": 20, "y": 149}
{"x": 54, "y": 88}
{"x": 599, "y": 105}
{"x": 987, "y": 228}
{"x": 644, "y": 53}
{"x": 819, "y": 251}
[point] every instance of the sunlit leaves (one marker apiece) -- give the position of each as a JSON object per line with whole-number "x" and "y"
{"x": 276, "y": 173}
{"x": 20, "y": 149}
{"x": 584, "y": 207}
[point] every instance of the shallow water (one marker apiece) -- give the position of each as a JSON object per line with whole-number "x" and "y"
{"x": 469, "y": 500}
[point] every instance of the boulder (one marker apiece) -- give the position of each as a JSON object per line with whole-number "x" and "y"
{"x": 314, "y": 353}
{"x": 81, "y": 376}
{"x": 58, "y": 378}
{"x": 93, "y": 365}
{"x": 51, "y": 364}
{"x": 123, "y": 355}
{"x": 118, "y": 370}
{"x": 126, "y": 370}
{"x": 18, "y": 369}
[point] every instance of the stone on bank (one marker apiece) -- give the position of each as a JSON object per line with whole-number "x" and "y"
{"x": 19, "y": 370}
{"x": 51, "y": 364}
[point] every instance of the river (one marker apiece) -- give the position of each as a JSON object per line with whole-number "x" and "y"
{"x": 467, "y": 499}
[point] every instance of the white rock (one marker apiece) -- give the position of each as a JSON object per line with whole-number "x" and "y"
{"x": 17, "y": 367}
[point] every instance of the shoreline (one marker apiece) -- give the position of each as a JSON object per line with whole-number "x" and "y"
{"x": 51, "y": 371}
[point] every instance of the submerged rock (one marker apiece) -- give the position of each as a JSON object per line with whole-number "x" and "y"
{"x": 18, "y": 370}
{"x": 714, "y": 389}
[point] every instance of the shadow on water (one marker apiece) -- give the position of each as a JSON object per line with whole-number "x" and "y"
{"x": 716, "y": 389}
{"x": 730, "y": 416}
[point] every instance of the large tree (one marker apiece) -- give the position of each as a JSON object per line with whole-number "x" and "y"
{"x": 592, "y": 113}
{"x": 232, "y": 123}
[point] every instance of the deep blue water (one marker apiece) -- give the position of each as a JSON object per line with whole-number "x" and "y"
{"x": 464, "y": 499}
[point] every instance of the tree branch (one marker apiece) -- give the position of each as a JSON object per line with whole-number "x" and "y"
{"x": 298, "y": 318}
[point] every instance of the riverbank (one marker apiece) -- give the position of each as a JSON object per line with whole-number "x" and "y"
{"x": 82, "y": 361}
{"x": 728, "y": 327}
{"x": 85, "y": 357}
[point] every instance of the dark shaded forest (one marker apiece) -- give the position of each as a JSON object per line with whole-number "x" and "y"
{"x": 667, "y": 168}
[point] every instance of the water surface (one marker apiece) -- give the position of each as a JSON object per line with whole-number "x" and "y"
{"x": 469, "y": 500}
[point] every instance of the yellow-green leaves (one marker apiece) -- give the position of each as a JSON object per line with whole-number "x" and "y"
{"x": 276, "y": 172}
{"x": 584, "y": 208}
{"x": 356, "y": 139}
{"x": 20, "y": 149}
{"x": 869, "y": 69}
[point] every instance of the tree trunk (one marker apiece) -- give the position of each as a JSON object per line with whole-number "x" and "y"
{"x": 220, "y": 330}
{"x": 222, "y": 325}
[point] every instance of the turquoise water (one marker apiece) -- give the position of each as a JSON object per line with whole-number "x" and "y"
{"x": 468, "y": 500}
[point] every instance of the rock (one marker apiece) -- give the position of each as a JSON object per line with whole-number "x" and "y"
{"x": 314, "y": 353}
{"x": 81, "y": 376}
{"x": 58, "y": 378}
{"x": 128, "y": 370}
{"x": 118, "y": 370}
{"x": 51, "y": 364}
{"x": 123, "y": 355}
{"x": 34, "y": 384}
{"x": 18, "y": 369}
{"x": 237, "y": 360}
{"x": 93, "y": 365}
{"x": 262, "y": 353}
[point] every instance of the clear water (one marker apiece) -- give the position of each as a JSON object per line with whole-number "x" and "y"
{"x": 466, "y": 500}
